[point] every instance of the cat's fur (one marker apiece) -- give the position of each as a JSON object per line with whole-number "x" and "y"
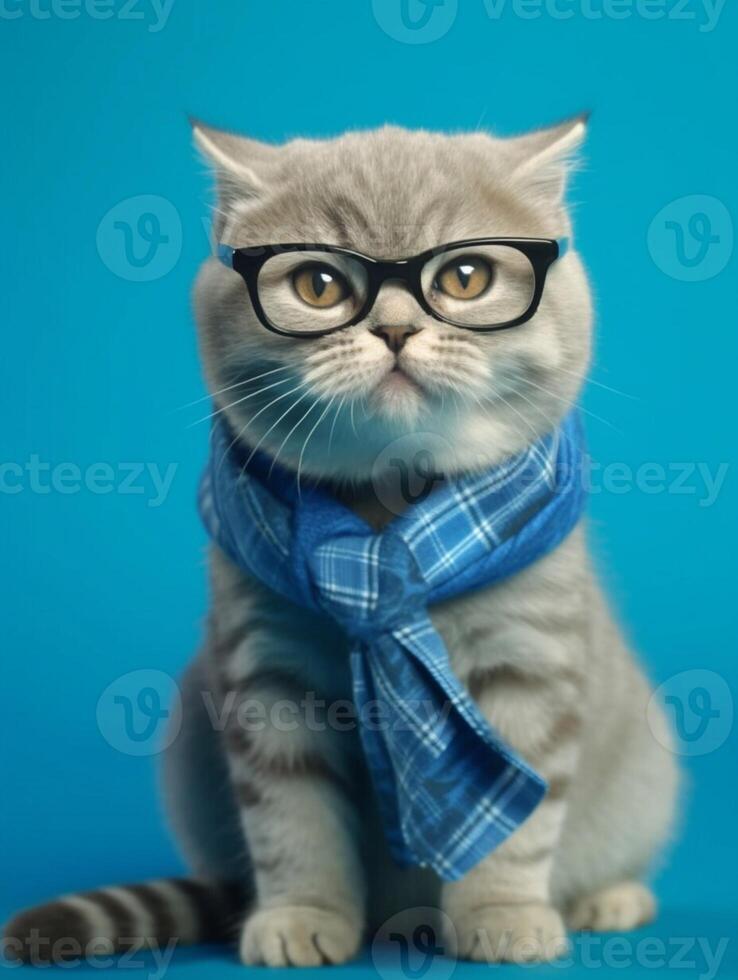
{"x": 286, "y": 811}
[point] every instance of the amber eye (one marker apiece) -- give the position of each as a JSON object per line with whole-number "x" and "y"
{"x": 320, "y": 285}
{"x": 465, "y": 278}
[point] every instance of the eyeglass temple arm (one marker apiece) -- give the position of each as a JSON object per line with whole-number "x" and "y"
{"x": 564, "y": 246}
{"x": 225, "y": 255}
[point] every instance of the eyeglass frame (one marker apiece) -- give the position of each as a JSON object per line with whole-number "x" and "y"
{"x": 248, "y": 262}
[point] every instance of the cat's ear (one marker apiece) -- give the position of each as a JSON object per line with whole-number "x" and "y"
{"x": 545, "y": 158}
{"x": 241, "y": 165}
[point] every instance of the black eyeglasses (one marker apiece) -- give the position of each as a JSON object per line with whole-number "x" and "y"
{"x": 312, "y": 290}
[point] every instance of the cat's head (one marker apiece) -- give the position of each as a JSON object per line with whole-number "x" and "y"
{"x": 333, "y": 404}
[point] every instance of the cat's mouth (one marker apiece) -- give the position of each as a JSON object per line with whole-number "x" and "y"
{"x": 398, "y": 394}
{"x": 398, "y": 379}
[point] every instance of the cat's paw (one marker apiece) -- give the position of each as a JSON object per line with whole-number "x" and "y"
{"x": 615, "y": 909}
{"x": 525, "y": 933}
{"x": 298, "y": 935}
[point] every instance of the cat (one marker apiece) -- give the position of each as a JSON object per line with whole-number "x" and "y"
{"x": 286, "y": 851}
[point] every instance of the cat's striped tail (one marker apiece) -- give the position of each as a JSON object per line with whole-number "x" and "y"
{"x": 154, "y": 915}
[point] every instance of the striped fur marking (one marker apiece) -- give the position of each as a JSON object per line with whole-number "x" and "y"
{"x": 125, "y": 916}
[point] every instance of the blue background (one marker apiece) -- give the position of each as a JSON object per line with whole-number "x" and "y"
{"x": 95, "y": 366}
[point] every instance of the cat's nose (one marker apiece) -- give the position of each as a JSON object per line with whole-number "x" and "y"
{"x": 395, "y": 335}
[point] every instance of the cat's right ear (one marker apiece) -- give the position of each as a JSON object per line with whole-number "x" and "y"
{"x": 239, "y": 163}
{"x": 545, "y": 158}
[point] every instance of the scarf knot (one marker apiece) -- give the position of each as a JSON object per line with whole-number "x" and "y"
{"x": 370, "y": 584}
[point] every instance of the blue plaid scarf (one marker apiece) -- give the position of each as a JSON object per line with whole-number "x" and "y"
{"x": 449, "y": 790}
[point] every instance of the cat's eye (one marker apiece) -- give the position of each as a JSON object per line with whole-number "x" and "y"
{"x": 468, "y": 277}
{"x": 320, "y": 285}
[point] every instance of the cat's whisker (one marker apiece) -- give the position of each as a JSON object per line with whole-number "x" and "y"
{"x": 292, "y": 431}
{"x": 253, "y": 418}
{"x": 221, "y": 391}
{"x": 325, "y": 355}
{"x": 457, "y": 395}
{"x": 368, "y": 409}
{"x": 532, "y": 443}
{"x": 567, "y": 401}
{"x": 537, "y": 408}
{"x": 309, "y": 437}
{"x": 457, "y": 392}
{"x": 273, "y": 426}
{"x": 240, "y": 401}
{"x": 540, "y": 411}
{"x": 335, "y": 419}
{"x": 368, "y": 406}
{"x": 592, "y": 381}
{"x": 329, "y": 373}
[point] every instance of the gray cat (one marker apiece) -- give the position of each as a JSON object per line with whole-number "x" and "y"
{"x": 283, "y": 855}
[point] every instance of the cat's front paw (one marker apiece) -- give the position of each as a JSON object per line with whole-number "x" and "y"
{"x": 524, "y": 933}
{"x": 298, "y": 935}
{"x": 618, "y": 908}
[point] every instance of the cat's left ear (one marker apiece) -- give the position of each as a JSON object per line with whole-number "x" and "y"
{"x": 545, "y": 158}
{"x": 241, "y": 165}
